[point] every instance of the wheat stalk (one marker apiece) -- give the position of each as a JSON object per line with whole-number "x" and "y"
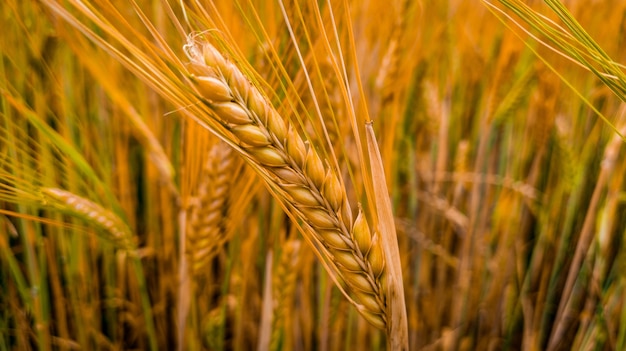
{"x": 312, "y": 191}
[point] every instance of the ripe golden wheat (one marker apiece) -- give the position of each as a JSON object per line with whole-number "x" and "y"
{"x": 296, "y": 173}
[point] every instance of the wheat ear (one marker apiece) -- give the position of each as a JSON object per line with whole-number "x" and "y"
{"x": 284, "y": 289}
{"x": 297, "y": 176}
{"x": 114, "y": 228}
{"x": 207, "y": 226}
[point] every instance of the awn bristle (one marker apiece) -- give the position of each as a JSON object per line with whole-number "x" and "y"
{"x": 297, "y": 174}
{"x": 328, "y": 96}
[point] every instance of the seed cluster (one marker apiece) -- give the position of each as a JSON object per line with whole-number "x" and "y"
{"x": 110, "y": 223}
{"x": 207, "y": 230}
{"x": 312, "y": 189}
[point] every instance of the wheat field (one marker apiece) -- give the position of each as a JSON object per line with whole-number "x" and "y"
{"x": 312, "y": 175}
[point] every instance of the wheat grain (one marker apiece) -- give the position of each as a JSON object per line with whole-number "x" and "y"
{"x": 296, "y": 173}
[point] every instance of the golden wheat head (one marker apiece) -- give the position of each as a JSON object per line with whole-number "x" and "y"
{"x": 297, "y": 174}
